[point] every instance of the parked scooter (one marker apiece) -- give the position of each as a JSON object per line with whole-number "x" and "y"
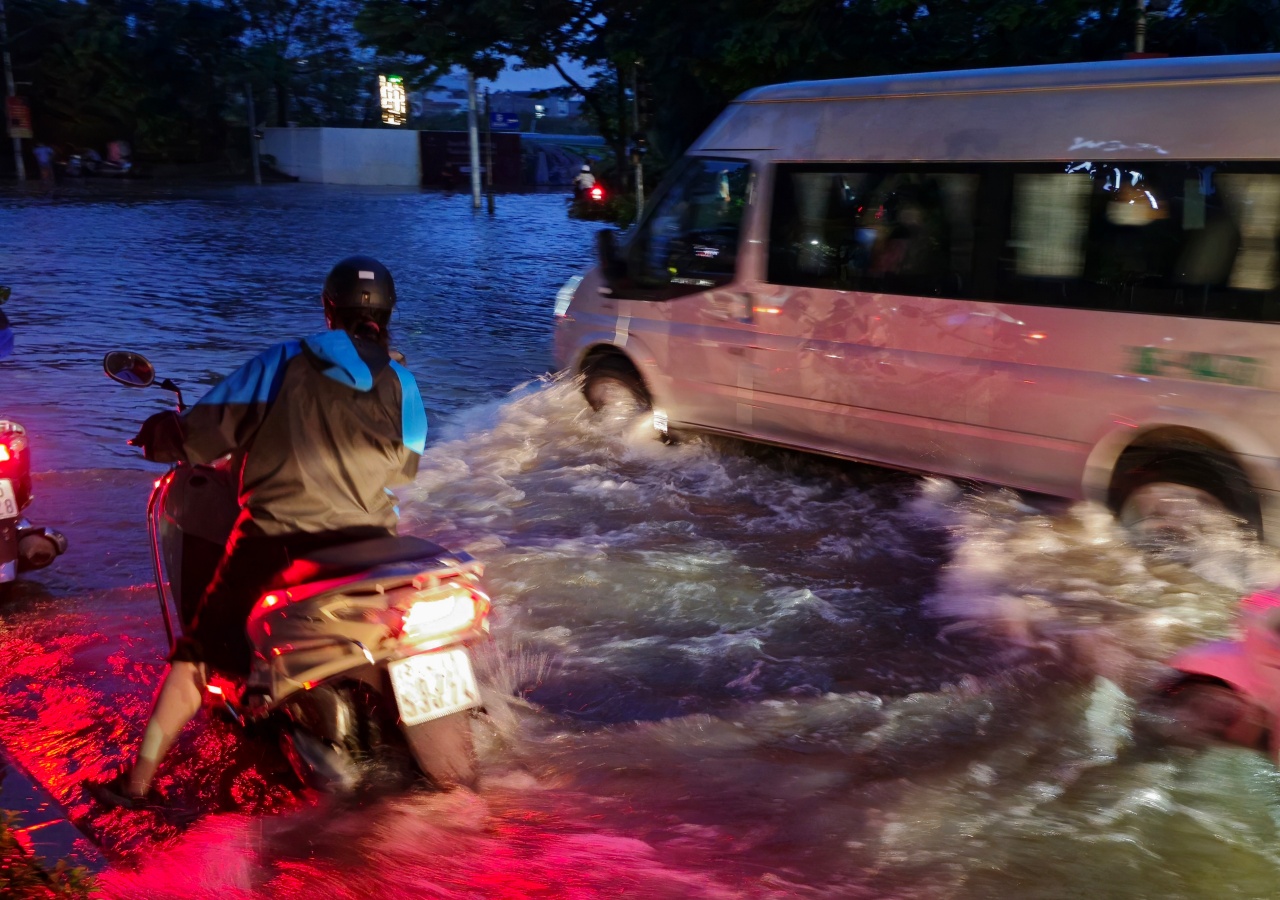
{"x": 23, "y": 546}
{"x": 361, "y": 652}
{"x": 1228, "y": 691}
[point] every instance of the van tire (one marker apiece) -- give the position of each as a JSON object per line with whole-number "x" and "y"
{"x": 1154, "y": 483}
{"x": 612, "y": 383}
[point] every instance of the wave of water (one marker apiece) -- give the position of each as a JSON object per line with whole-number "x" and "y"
{"x": 718, "y": 671}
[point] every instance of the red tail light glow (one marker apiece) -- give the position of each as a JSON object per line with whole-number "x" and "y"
{"x": 597, "y": 193}
{"x": 441, "y": 615}
{"x": 11, "y": 445}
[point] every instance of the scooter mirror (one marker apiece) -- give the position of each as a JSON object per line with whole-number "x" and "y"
{"x": 129, "y": 368}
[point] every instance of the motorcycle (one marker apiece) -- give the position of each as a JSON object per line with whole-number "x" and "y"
{"x": 1228, "y": 691}
{"x": 362, "y": 652}
{"x": 588, "y": 203}
{"x": 23, "y": 546}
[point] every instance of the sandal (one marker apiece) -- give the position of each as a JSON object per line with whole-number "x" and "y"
{"x": 114, "y": 793}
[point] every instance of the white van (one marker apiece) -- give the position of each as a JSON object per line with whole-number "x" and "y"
{"x": 1064, "y": 279}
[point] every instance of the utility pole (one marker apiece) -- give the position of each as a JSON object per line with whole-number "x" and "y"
{"x": 474, "y": 136}
{"x": 253, "y": 132}
{"x": 10, "y": 91}
{"x": 488, "y": 140}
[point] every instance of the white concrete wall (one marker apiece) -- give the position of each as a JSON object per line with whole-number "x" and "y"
{"x": 346, "y": 155}
{"x": 297, "y": 151}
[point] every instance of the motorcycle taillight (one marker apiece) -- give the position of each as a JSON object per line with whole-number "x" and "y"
{"x": 440, "y": 613}
{"x": 11, "y": 446}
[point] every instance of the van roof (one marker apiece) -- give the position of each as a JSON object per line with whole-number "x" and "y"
{"x": 1057, "y": 77}
{"x": 1188, "y": 108}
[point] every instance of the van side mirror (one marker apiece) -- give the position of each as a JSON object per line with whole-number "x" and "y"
{"x": 612, "y": 264}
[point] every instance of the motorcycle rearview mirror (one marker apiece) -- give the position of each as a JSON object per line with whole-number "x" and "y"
{"x": 135, "y": 370}
{"x": 129, "y": 368}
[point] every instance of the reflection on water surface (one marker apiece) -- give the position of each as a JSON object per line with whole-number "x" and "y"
{"x": 719, "y": 672}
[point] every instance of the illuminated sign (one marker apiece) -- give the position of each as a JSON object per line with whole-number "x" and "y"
{"x": 395, "y": 102}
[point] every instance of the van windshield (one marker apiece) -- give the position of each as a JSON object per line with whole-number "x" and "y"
{"x": 690, "y": 242}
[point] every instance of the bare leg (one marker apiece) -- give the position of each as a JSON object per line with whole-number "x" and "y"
{"x": 176, "y": 704}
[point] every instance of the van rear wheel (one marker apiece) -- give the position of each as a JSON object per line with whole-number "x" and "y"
{"x": 1180, "y": 496}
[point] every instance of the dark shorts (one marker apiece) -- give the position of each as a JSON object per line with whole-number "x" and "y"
{"x": 248, "y": 568}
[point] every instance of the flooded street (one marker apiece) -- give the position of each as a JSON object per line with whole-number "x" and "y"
{"x": 718, "y": 671}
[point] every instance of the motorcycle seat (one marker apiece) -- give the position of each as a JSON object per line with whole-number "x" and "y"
{"x": 358, "y": 556}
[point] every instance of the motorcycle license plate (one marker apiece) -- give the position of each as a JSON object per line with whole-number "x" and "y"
{"x": 432, "y": 685}
{"x": 8, "y": 500}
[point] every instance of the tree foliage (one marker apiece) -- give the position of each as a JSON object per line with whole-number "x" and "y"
{"x": 170, "y": 75}
{"x": 695, "y": 57}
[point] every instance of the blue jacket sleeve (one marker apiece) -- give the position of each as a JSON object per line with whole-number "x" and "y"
{"x": 413, "y": 422}
{"x": 226, "y": 418}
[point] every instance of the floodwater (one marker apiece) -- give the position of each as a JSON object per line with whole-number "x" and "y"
{"x": 717, "y": 671}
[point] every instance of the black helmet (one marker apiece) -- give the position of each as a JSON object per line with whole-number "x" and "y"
{"x": 359, "y": 282}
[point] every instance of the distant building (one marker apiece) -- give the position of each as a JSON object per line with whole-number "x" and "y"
{"x": 535, "y": 110}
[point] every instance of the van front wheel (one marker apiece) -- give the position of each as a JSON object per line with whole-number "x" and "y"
{"x": 614, "y": 388}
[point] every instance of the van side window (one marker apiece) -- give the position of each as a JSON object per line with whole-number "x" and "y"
{"x": 1185, "y": 238}
{"x": 690, "y": 241}
{"x": 1176, "y": 238}
{"x": 904, "y": 230}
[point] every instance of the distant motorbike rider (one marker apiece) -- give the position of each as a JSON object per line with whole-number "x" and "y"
{"x": 321, "y": 429}
{"x": 583, "y": 182}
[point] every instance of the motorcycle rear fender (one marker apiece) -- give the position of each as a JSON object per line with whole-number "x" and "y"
{"x": 1223, "y": 660}
{"x": 300, "y": 667}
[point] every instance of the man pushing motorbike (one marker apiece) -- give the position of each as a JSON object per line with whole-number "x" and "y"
{"x": 320, "y": 429}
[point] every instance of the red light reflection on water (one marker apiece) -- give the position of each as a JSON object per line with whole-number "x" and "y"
{"x": 73, "y": 702}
